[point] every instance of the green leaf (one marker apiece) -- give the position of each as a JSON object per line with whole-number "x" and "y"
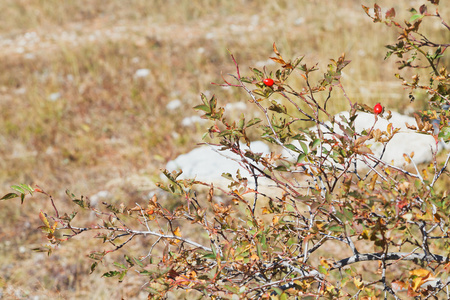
{"x": 111, "y": 274}
{"x": 122, "y": 275}
{"x": 93, "y": 267}
{"x": 263, "y": 242}
{"x": 304, "y": 147}
{"x": 138, "y": 262}
{"x": 247, "y": 79}
{"x": 292, "y": 147}
{"x": 348, "y": 214}
{"x": 253, "y": 122}
{"x": 9, "y": 196}
{"x": 445, "y": 134}
{"x": 276, "y": 107}
{"x": 258, "y": 73}
{"x": 129, "y": 261}
{"x": 322, "y": 270}
{"x": 232, "y": 289}
{"x": 301, "y": 157}
{"x": 227, "y": 176}
{"x": 121, "y": 266}
{"x": 281, "y": 168}
{"x": 23, "y": 188}
{"x": 80, "y": 203}
{"x": 241, "y": 122}
{"x": 277, "y": 290}
{"x": 336, "y": 229}
{"x": 415, "y": 17}
{"x": 203, "y": 107}
{"x": 314, "y": 144}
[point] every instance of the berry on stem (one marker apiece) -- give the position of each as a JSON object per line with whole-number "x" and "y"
{"x": 268, "y": 81}
{"x": 377, "y": 109}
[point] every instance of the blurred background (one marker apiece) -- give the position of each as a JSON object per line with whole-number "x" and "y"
{"x": 96, "y": 97}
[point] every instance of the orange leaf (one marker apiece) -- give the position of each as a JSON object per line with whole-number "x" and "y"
{"x": 406, "y": 158}
{"x": 275, "y": 50}
{"x": 420, "y": 273}
{"x": 177, "y": 232}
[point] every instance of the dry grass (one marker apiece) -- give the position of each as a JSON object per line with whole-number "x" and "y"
{"x": 74, "y": 114}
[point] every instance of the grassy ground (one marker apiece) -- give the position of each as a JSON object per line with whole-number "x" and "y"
{"x": 76, "y": 115}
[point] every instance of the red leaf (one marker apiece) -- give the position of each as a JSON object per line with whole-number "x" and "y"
{"x": 377, "y": 10}
{"x": 390, "y": 13}
{"x": 423, "y": 9}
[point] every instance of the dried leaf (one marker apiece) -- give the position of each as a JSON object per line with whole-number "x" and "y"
{"x": 377, "y": 11}
{"x": 275, "y": 50}
{"x": 389, "y": 129}
{"x": 361, "y": 140}
{"x": 390, "y": 13}
{"x": 210, "y": 193}
{"x": 412, "y": 127}
{"x": 423, "y": 9}
{"x": 278, "y": 60}
{"x": 419, "y": 122}
{"x": 366, "y": 9}
{"x": 373, "y": 181}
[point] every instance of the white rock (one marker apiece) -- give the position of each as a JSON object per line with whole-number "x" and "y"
{"x": 207, "y": 164}
{"x": 188, "y": 121}
{"x": 54, "y": 96}
{"x": 405, "y": 141}
{"x": 174, "y": 104}
{"x": 236, "y": 106}
{"x": 142, "y": 73}
{"x": 99, "y": 196}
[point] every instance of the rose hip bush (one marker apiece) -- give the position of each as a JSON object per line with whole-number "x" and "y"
{"x": 319, "y": 217}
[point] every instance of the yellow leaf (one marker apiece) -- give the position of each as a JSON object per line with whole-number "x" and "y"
{"x": 324, "y": 263}
{"x": 365, "y": 234}
{"x": 358, "y": 283}
{"x": 265, "y": 211}
{"x": 177, "y": 232}
{"x": 406, "y": 158}
{"x": 420, "y": 273}
{"x": 44, "y": 219}
{"x": 320, "y": 224}
{"x": 275, "y": 220}
{"x": 416, "y": 283}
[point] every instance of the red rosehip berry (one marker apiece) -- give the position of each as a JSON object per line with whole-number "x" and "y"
{"x": 377, "y": 109}
{"x": 268, "y": 81}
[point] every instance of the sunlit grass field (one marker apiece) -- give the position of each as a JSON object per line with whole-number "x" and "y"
{"x": 95, "y": 96}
